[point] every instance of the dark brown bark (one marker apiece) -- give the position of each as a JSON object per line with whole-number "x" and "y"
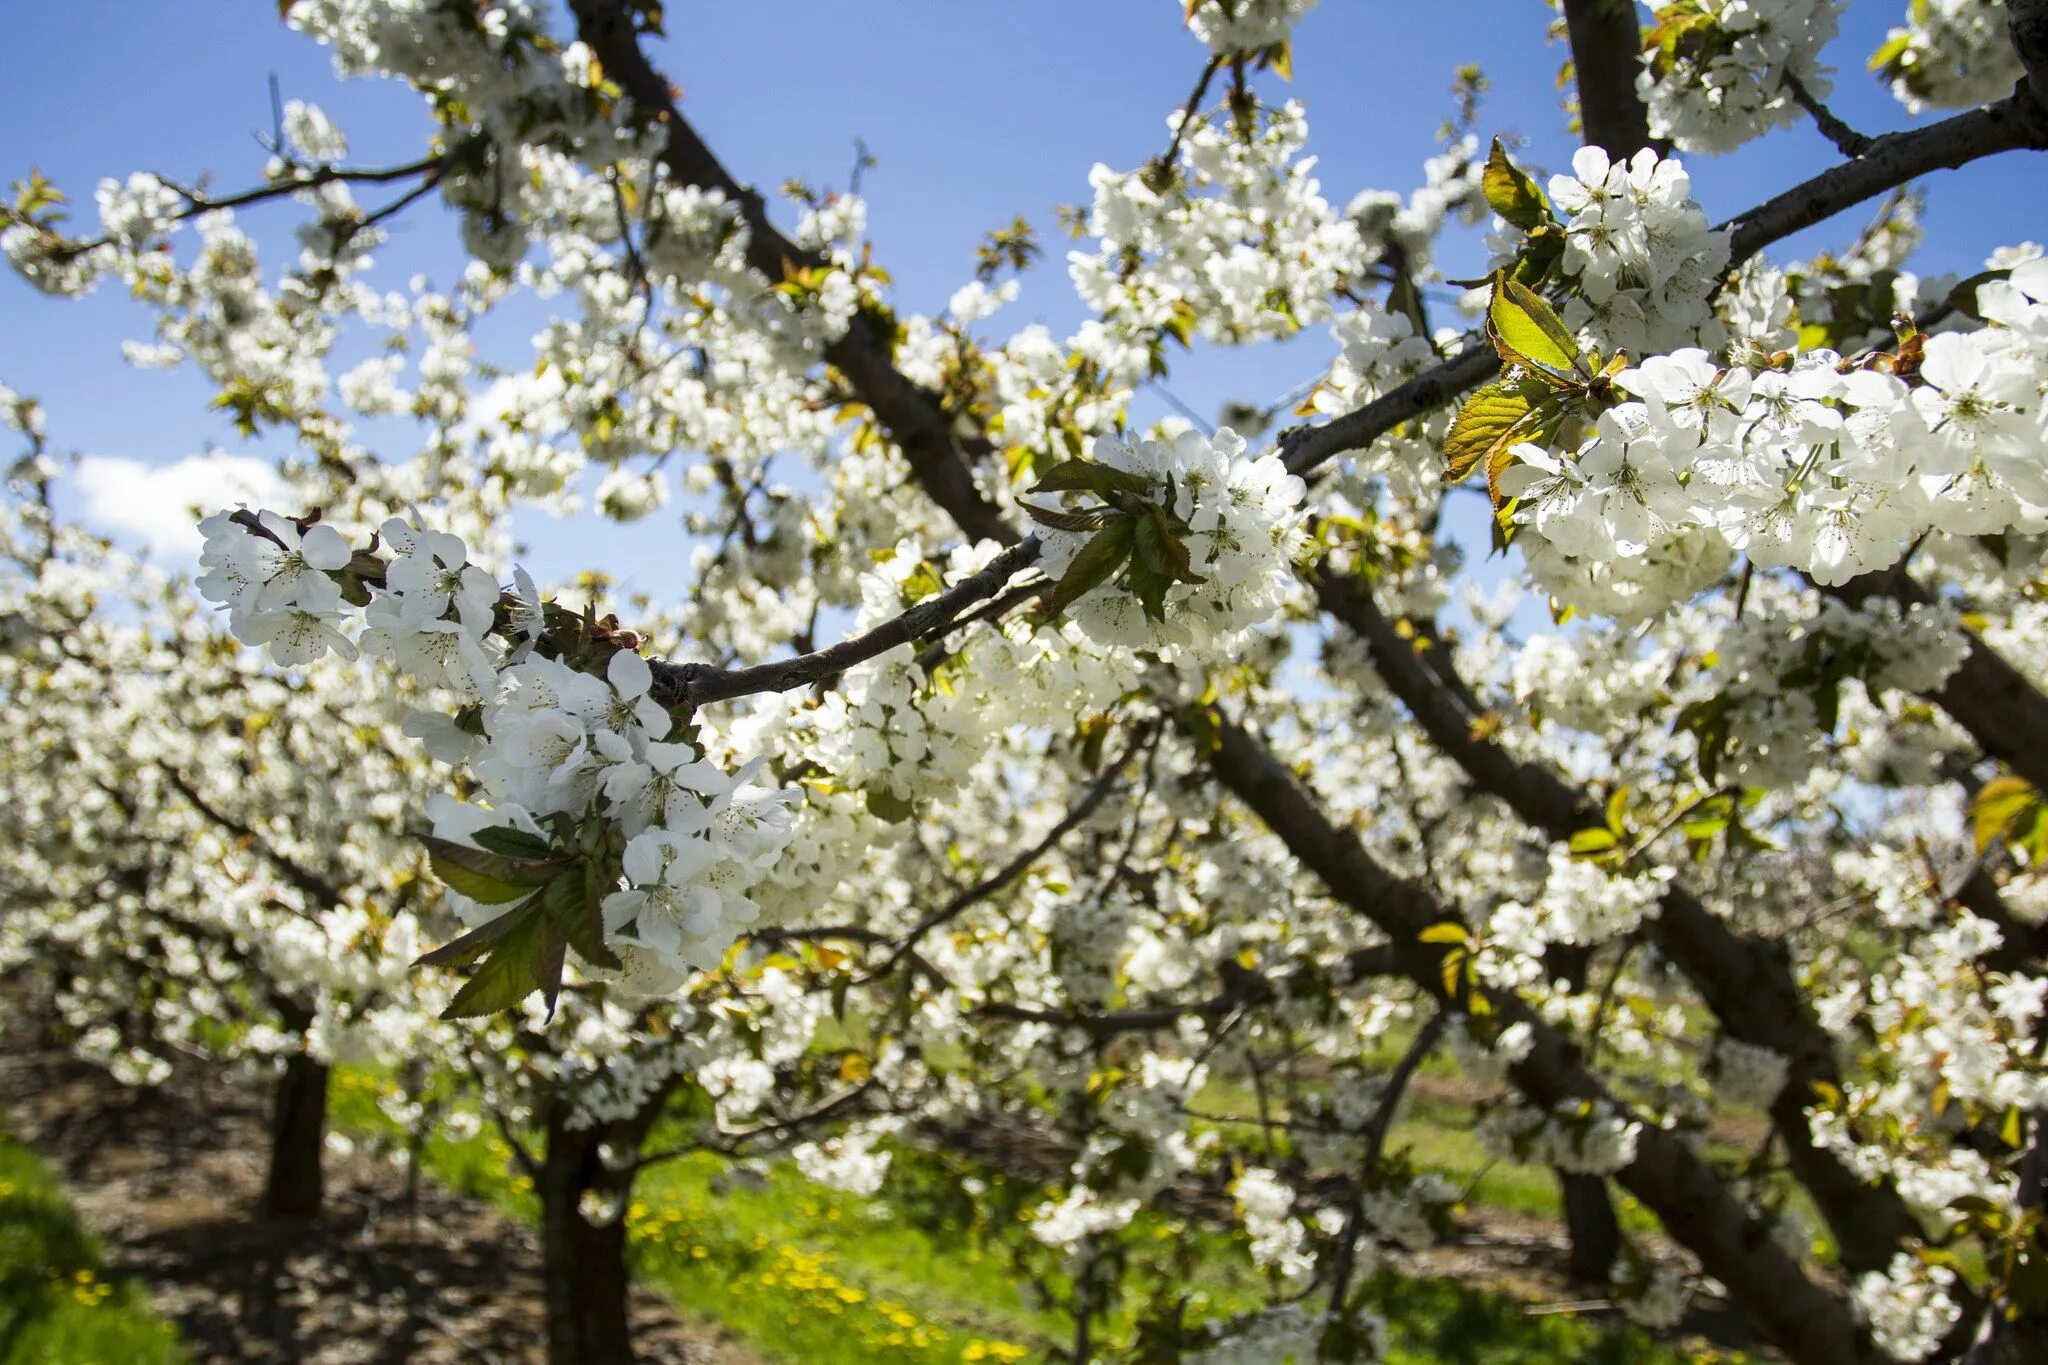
{"x": 1747, "y": 982}
{"x": 295, "y": 1184}
{"x": 1807, "y": 1321}
{"x": 1595, "y": 1231}
{"x": 583, "y": 1265}
{"x": 1607, "y": 46}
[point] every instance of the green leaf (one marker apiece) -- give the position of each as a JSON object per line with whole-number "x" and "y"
{"x": 1065, "y": 521}
{"x": 1098, "y": 560}
{"x": 1446, "y": 931}
{"x": 460, "y": 952}
{"x": 1885, "y": 60}
{"x": 491, "y": 878}
{"x": 1090, "y": 476}
{"x": 1489, "y": 421}
{"x": 886, "y": 805}
{"x": 1998, "y": 806}
{"x": 1511, "y": 193}
{"x": 513, "y": 843}
{"x": 1527, "y": 332}
{"x": 1591, "y": 843}
{"x": 527, "y": 959}
{"x": 1617, "y": 811}
{"x": 571, "y": 904}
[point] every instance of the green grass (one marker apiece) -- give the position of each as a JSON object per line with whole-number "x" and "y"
{"x": 921, "y": 1273}
{"x": 55, "y": 1306}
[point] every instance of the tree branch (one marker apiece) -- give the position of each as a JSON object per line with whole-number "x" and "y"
{"x": 1809, "y": 1322}
{"x": 699, "y": 684}
{"x": 1847, "y": 140}
{"x": 1607, "y": 51}
{"x": 1890, "y": 161}
{"x": 914, "y": 417}
{"x": 1745, "y": 981}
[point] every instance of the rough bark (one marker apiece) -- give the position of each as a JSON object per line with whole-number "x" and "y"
{"x": 1807, "y": 1321}
{"x": 294, "y": 1186}
{"x": 584, "y": 1266}
{"x": 1747, "y": 982}
{"x": 1607, "y": 45}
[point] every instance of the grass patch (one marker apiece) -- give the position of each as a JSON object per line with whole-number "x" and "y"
{"x": 919, "y": 1273}
{"x": 56, "y": 1308}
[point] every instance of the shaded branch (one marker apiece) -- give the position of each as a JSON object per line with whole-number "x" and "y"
{"x": 1747, "y": 982}
{"x": 699, "y": 684}
{"x": 1607, "y": 51}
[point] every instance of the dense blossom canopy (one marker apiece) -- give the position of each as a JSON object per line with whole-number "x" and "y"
{"x": 1004, "y": 756}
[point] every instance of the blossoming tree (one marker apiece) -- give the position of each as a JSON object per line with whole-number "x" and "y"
{"x": 1151, "y": 762}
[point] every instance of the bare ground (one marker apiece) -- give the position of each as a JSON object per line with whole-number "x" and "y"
{"x": 169, "y": 1178}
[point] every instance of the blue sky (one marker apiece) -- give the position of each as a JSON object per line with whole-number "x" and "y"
{"x": 977, "y": 109}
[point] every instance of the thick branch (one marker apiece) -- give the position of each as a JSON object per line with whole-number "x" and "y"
{"x": 1607, "y": 47}
{"x": 1808, "y": 1322}
{"x": 1745, "y": 981}
{"x": 913, "y": 416}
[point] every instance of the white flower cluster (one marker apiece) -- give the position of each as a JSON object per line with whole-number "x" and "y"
{"x": 1279, "y": 1239}
{"x": 311, "y": 135}
{"x": 1639, "y": 252}
{"x": 848, "y": 1162}
{"x": 1234, "y": 27}
{"x": 1078, "y": 1217}
{"x": 1580, "y": 1136}
{"x": 1239, "y": 246}
{"x": 1907, "y": 1306}
{"x": 1581, "y": 904}
{"x": 1286, "y": 1334}
{"x": 1950, "y": 54}
{"x": 1728, "y": 75}
{"x": 1652, "y": 1295}
{"x": 1823, "y": 467}
{"x": 1244, "y": 531}
{"x": 1745, "y": 1074}
{"x": 549, "y": 740}
{"x": 1773, "y": 675}
{"x": 278, "y": 588}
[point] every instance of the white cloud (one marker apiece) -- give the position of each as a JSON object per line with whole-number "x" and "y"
{"x": 160, "y": 505}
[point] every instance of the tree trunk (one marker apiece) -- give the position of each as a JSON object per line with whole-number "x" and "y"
{"x": 584, "y": 1266}
{"x": 294, "y": 1186}
{"x": 1595, "y": 1232}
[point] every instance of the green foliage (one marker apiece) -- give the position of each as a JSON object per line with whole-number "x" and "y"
{"x": 1512, "y": 193}
{"x": 558, "y": 907}
{"x": 2009, "y": 808}
{"x": 1131, "y": 535}
{"x": 918, "y": 1273}
{"x": 56, "y": 1308}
